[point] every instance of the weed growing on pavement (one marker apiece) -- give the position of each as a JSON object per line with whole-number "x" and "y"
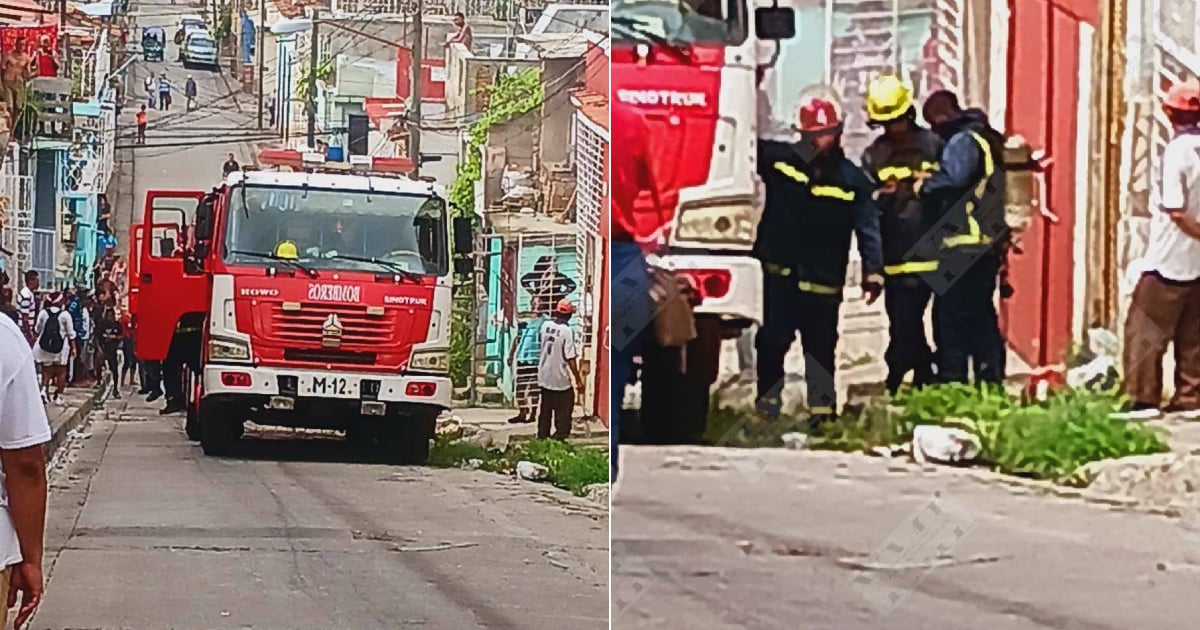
{"x": 570, "y": 467}
{"x": 1049, "y": 439}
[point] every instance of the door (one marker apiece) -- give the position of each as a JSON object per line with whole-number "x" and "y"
{"x": 1043, "y": 105}
{"x": 166, "y": 291}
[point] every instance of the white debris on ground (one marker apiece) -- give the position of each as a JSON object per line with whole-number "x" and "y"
{"x": 531, "y": 471}
{"x": 945, "y": 445}
{"x": 795, "y": 441}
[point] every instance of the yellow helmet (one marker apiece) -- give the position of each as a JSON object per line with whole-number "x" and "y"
{"x": 888, "y": 98}
{"x": 287, "y": 249}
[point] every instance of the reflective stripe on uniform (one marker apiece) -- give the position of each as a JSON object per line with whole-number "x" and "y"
{"x": 834, "y": 192}
{"x": 916, "y": 266}
{"x": 904, "y": 172}
{"x": 820, "y": 410}
{"x": 821, "y": 289}
{"x": 791, "y": 171}
{"x": 776, "y": 269}
{"x": 974, "y": 235}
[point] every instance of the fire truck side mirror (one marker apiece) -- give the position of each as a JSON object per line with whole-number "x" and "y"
{"x": 464, "y": 236}
{"x": 204, "y": 227}
{"x": 775, "y": 23}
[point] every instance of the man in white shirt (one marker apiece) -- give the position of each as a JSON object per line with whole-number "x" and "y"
{"x": 27, "y": 303}
{"x": 24, "y": 429}
{"x": 55, "y": 346}
{"x": 1165, "y": 307}
{"x": 557, "y": 356}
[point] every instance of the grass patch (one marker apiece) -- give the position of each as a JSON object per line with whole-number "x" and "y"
{"x": 571, "y": 467}
{"x": 1050, "y": 439}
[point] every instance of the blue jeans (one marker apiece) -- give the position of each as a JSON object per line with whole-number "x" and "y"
{"x": 632, "y": 315}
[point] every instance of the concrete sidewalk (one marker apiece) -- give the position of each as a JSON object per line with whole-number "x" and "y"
{"x": 80, "y": 401}
{"x": 490, "y": 425}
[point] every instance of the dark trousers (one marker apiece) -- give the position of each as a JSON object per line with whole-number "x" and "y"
{"x": 151, "y": 375}
{"x": 556, "y": 406}
{"x": 786, "y": 311}
{"x": 966, "y": 329}
{"x": 185, "y": 351}
{"x": 110, "y": 359}
{"x": 631, "y": 317}
{"x": 906, "y": 299}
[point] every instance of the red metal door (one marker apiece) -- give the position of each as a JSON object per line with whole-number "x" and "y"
{"x": 165, "y": 290}
{"x": 1043, "y": 97}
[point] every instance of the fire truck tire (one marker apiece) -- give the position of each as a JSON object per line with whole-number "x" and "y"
{"x": 220, "y": 428}
{"x": 191, "y": 426}
{"x": 407, "y": 442}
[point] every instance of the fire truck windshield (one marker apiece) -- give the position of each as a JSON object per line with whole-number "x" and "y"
{"x": 343, "y": 229}
{"x": 679, "y": 22}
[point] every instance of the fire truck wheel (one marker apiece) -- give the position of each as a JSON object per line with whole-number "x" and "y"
{"x": 407, "y": 442}
{"x": 220, "y": 429}
{"x": 192, "y": 425}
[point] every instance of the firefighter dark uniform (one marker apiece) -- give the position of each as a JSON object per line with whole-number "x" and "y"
{"x": 812, "y": 207}
{"x": 968, "y": 192}
{"x": 184, "y": 350}
{"x": 909, "y": 256}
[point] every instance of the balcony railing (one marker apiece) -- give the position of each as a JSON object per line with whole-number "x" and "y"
{"x": 48, "y": 110}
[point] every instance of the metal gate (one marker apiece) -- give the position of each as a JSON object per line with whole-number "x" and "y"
{"x": 16, "y": 216}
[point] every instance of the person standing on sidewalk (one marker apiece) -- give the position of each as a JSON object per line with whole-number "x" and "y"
{"x": 164, "y": 92}
{"x": 129, "y": 362}
{"x": 524, "y": 355}
{"x": 142, "y": 121}
{"x": 24, "y": 429}
{"x": 637, "y": 216}
{"x": 108, "y": 332}
{"x": 895, "y": 161}
{"x": 55, "y": 347}
{"x": 558, "y": 355}
{"x": 27, "y": 304}
{"x": 1165, "y": 306}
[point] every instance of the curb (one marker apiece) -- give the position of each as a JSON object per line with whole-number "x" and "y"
{"x": 59, "y": 434}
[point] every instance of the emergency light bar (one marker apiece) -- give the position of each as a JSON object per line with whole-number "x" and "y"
{"x": 296, "y": 160}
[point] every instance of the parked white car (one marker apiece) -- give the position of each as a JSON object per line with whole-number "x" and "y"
{"x": 199, "y": 49}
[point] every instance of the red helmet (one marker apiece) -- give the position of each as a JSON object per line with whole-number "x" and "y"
{"x": 1184, "y": 96}
{"x": 564, "y": 307}
{"x": 818, "y": 115}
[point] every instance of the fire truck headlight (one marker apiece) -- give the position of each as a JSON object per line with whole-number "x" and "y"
{"x": 731, "y": 223}
{"x": 436, "y": 361}
{"x": 221, "y": 349}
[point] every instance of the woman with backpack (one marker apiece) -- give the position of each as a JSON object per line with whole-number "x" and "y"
{"x": 55, "y": 346}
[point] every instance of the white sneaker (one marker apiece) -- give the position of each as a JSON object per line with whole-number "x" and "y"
{"x": 45, "y": 397}
{"x": 58, "y": 400}
{"x": 1137, "y": 415}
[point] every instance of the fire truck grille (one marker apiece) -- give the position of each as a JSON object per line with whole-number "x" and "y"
{"x": 332, "y": 326}
{"x": 330, "y": 356}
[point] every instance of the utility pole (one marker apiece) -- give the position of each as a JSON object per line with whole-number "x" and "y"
{"x": 414, "y": 116}
{"x": 312, "y": 81}
{"x": 262, "y": 59}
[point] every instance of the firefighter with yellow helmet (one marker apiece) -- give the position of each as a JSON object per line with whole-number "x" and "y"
{"x": 901, "y": 156}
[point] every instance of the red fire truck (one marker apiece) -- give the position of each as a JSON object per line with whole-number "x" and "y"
{"x": 304, "y": 295}
{"x": 691, "y": 69}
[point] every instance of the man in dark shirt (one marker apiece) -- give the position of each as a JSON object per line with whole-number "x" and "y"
{"x": 231, "y": 166}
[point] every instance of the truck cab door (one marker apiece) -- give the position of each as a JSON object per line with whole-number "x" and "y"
{"x": 166, "y": 290}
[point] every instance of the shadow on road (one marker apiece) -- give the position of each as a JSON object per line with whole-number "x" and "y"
{"x": 298, "y": 447}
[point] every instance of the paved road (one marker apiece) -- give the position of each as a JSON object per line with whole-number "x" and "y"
{"x": 721, "y": 539}
{"x": 145, "y": 532}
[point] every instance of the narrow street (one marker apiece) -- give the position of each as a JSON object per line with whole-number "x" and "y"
{"x": 773, "y": 539}
{"x": 144, "y": 531}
